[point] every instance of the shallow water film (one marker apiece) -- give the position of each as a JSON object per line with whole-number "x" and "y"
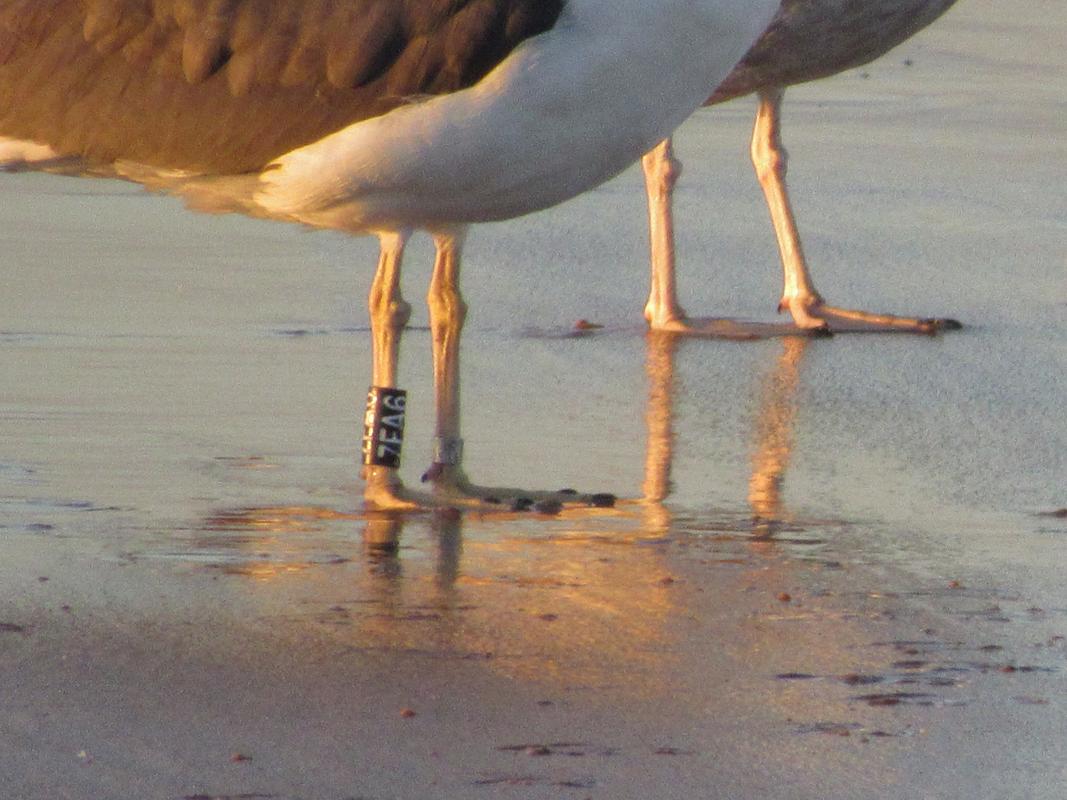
{"x": 833, "y": 569}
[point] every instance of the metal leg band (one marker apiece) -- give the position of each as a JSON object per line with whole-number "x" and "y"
{"x": 447, "y": 450}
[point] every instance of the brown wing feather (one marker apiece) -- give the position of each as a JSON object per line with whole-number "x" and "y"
{"x": 225, "y": 86}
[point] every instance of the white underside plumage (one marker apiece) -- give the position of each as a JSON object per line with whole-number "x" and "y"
{"x": 18, "y": 152}
{"x": 564, "y": 112}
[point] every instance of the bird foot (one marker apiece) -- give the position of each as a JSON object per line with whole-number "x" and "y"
{"x": 733, "y": 329}
{"x": 451, "y": 486}
{"x": 814, "y": 314}
{"x": 450, "y": 489}
{"x": 384, "y": 491}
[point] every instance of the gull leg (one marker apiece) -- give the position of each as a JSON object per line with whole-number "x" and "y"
{"x": 389, "y": 314}
{"x": 799, "y": 295}
{"x": 662, "y": 311}
{"x": 771, "y": 160}
{"x": 661, "y": 170}
{"x": 448, "y": 312}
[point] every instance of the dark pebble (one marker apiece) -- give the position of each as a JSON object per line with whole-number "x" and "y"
{"x": 548, "y": 507}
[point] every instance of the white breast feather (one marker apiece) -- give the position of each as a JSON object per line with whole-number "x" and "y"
{"x": 566, "y": 111}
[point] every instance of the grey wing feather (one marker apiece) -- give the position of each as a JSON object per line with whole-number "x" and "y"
{"x": 811, "y": 39}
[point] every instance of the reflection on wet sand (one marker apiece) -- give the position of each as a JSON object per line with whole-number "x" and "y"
{"x": 586, "y": 589}
{"x": 615, "y": 602}
{"x": 659, "y": 448}
{"x": 773, "y": 423}
{"x": 774, "y": 437}
{"x": 772, "y": 433}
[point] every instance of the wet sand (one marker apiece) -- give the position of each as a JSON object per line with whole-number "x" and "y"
{"x": 547, "y": 658}
{"x": 835, "y": 570}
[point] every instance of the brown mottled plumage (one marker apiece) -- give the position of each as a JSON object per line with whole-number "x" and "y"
{"x": 152, "y": 81}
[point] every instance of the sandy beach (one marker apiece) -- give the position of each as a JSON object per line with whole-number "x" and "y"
{"x": 835, "y": 569}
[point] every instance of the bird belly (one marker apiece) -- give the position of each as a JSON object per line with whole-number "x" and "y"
{"x": 566, "y": 111}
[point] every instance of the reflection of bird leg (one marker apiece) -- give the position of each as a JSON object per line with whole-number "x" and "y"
{"x": 658, "y": 419}
{"x": 799, "y": 296}
{"x": 774, "y": 437}
{"x": 449, "y": 530}
{"x": 658, "y": 452}
{"x": 381, "y": 537}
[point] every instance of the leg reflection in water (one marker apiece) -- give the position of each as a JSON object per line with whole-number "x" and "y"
{"x": 585, "y": 596}
{"x": 773, "y": 433}
{"x": 774, "y": 438}
{"x": 659, "y": 449}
